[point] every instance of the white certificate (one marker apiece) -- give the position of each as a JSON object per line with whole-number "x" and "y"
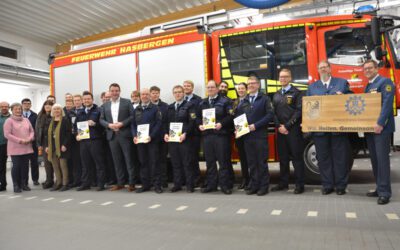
{"x": 241, "y": 125}
{"x": 209, "y": 118}
{"x": 83, "y": 130}
{"x": 143, "y": 131}
{"x": 175, "y": 131}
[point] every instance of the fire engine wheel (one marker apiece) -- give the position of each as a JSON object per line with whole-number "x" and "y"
{"x": 311, "y": 170}
{"x": 312, "y": 175}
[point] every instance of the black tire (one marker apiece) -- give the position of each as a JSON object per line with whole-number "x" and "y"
{"x": 311, "y": 171}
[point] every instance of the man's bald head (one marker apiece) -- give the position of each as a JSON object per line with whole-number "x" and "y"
{"x": 145, "y": 95}
{"x": 4, "y": 108}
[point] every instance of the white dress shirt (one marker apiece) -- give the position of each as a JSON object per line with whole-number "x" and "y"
{"x": 115, "y": 109}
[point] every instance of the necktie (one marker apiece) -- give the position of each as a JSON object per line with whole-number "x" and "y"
{"x": 144, "y": 107}
{"x": 87, "y": 110}
{"x": 177, "y": 106}
{"x": 26, "y": 115}
{"x": 186, "y": 98}
{"x": 283, "y": 91}
{"x": 252, "y": 99}
{"x": 326, "y": 85}
{"x": 212, "y": 101}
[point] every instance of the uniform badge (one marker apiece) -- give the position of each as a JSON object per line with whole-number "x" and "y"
{"x": 388, "y": 88}
{"x": 312, "y": 109}
{"x": 193, "y": 115}
{"x": 355, "y": 105}
{"x": 289, "y": 99}
{"x": 231, "y": 111}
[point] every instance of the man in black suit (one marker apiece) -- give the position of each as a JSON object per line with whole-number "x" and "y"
{"x": 188, "y": 87}
{"x": 32, "y": 116}
{"x": 116, "y": 117}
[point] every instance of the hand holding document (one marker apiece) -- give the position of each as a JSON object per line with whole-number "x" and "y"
{"x": 241, "y": 126}
{"x": 209, "y": 118}
{"x": 175, "y": 131}
{"x": 143, "y": 132}
{"x": 83, "y": 130}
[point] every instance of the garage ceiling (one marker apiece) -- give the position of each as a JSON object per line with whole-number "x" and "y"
{"x": 60, "y": 21}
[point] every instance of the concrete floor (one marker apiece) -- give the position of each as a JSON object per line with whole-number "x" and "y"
{"x": 281, "y": 220}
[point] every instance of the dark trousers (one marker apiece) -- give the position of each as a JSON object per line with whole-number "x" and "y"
{"x": 291, "y": 147}
{"x": 149, "y": 172}
{"x": 93, "y": 156}
{"x": 257, "y": 159}
{"x": 136, "y": 164}
{"x": 110, "y": 169}
{"x": 194, "y": 151}
{"x": 181, "y": 163}
{"x": 216, "y": 149}
{"x": 243, "y": 160}
{"x": 48, "y": 168}
{"x": 333, "y": 155}
{"x": 33, "y": 158}
{"x": 121, "y": 149}
{"x": 162, "y": 161}
{"x": 20, "y": 169}
{"x": 3, "y": 165}
{"x": 379, "y": 149}
{"x": 75, "y": 164}
{"x": 230, "y": 166}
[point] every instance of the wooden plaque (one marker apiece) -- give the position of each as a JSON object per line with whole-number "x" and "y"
{"x": 341, "y": 113}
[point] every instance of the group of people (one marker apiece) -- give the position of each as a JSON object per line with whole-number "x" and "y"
{"x": 115, "y": 154}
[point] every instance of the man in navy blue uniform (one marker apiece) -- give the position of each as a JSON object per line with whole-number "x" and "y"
{"x": 379, "y": 141}
{"x": 184, "y": 112}
{"x": 287, "y": 108}
{"x": 188, "y": 87}
{"x": 92, "y": 150}
{"x": 163, "y": 146}
{"x": 32, "y": 116}
{"x": 216, "y": 141}
{"x": 333, "y": 149}
{"x": 259, "y": 114}
{"x": 148, "y": 113}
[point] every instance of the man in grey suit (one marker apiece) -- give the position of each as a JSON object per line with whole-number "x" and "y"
{"x": 116, "y": 117}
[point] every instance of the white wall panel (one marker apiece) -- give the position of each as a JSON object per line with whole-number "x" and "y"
{"x": 169, "y": 66}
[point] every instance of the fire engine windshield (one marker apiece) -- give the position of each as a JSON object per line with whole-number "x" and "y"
{"x": 395, "y": 40}
{"x": 349, "y": 46}
{"x": 264, "y": 53}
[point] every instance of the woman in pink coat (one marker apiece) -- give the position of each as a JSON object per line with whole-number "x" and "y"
{"x": 19, "y": 133}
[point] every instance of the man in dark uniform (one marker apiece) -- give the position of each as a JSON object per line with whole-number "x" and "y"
{"x": 287, "y": 109}
{"x": 135, "y": 99}
{"x": 163, "y": 146}
{"x": 379, "y": 141}
{"x": 32, "y": 116}
{"x": 91, "y": 150}
{"x": 259, "y": 114}
{"x": 148, "y": 113}
{"x": 182, "y": 112}
{"x": 188, "y": 87}
{"x": 333, "y": 149}
{"x": 217, "y": 140}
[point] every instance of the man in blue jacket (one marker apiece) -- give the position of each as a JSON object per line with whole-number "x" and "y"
{"x": 92, "y": 151}
{"x": 148, "y": 113}
{"x": 258, "y": 110}
{"x": 379, "y": 141}
{"x": 333, "y": 149}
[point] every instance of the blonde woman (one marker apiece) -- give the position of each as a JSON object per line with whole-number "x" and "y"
{"x": 57, "y": 146}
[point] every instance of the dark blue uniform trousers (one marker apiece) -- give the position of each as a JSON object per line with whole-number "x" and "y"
{"x": 150, "y": 172}
{"x": 379, "y": 149}
{"x": 333, "y": 155}
{"x": 217, "y": 149}
{"x": 257, "y": 158}
{"x": 93, "y": 156}
{"x": 182, "y": 169}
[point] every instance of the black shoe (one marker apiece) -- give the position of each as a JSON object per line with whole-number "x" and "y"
{"x": 251, "y": 191}
{"x": 208, "y": 190}
{"x": 243, "y": 185}
{"x": 81, "y": 188}
{"x": 26, "y": 188}
{"x": 36, "y": 183}
{"x": 279, "y": 187}
{"x": 141, "y": 190}
{"x": 111, "y": 183}
{"x": 63, "y": 188}
{"x": 372, "y": 194}
{"x": 298, "y": 190}
{"x": 262, "y": 192}
{"x": 3, "y": 189}
{"x": 55, "y": 188}
{"x": 100, "y": 188}
{"x": 383, "y": 200}
{"x": 17, "y": 190}
{"x": 340, "y": 191}
{"x": 158, "y": 190}
{"x": 226, "y": 191}
{"x": 190, "y": 190}
{"x": 326, "y": 191}
{"x": 47, "y": 185}
{"x": 175, "y": 189}
{"x": 165, "y": 185}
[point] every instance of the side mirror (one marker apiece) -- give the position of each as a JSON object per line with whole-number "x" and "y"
{"x": 375, "y": 32}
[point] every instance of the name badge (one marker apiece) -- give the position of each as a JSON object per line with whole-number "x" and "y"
{"x": 289, "y": 99}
